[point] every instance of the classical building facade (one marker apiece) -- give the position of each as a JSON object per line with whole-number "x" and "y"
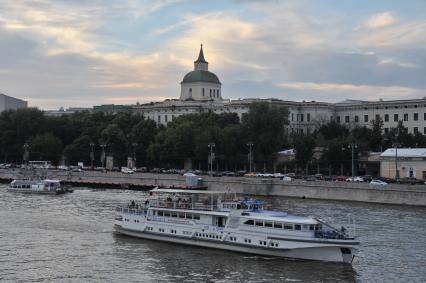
{"x": 11, "y": 103}
{"x": 201, "y": 92}
{"x": 407, "y": 162}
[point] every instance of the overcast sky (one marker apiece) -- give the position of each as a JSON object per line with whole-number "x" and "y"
{"x": 84, "y": 53}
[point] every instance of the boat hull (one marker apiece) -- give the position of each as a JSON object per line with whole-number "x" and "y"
{"x": 326, "y": 253}
{"x": 29, "y": 191}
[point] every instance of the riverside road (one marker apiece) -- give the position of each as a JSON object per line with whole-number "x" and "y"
{"x": 342, "y": 191}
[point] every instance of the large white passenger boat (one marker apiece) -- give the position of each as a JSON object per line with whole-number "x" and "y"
{"x": 45, "y": 186}
{"x": 219, "y": 220}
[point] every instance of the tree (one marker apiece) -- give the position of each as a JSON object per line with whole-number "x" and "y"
{"x": 376, "y": 137}
{"x": 116, "y": 142}
{"x": 79, "y": 150}
{"x": 264, "y": 126}
{"x": 304, "y": 147}
{"x": 46, "y": 147}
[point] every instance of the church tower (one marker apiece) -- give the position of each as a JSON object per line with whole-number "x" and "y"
{"x": 200, "y": 84}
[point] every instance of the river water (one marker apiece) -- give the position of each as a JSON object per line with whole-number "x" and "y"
{"x": 69, "y": 238}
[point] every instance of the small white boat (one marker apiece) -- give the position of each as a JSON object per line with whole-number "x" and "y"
{"x": 45, "y": 186}
{"x": 221, "y": 221}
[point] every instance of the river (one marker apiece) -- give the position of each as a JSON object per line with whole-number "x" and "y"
{"x": 70, "y": 238}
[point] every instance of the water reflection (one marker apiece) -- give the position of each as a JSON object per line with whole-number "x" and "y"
{"x": 190, "y": 264}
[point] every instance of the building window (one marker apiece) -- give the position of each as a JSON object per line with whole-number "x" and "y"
{"x": 365, "y": 118}
{"x": 308, "y": 117}
{"x": 405, "y": 116}
{"x": 301, "y": 117}
{"x": 424, "y": 116}
{"x": 210, "y": 92}
{"x": 386, "y": 130}
{"x": 338, "y": 119}
{"x": 356, "y": 119}
{"x": 159, "y": 118}
{"x": 395, "y": 117}
{"x": 386, "y": 117}
{"x": 292, "y": 116}
{"x": 416, "y": 117}
{"x": 416, "y": 130}
{"x": 424, "y": 130}
{"x": 346, "y": 119}
{"x": 165, "y": 118}
{"x": 203, "y": 91}
{"x": 190, "y": 90}
{"x": 377, "y": 117}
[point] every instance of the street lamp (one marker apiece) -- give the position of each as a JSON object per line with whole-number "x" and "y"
{"x": 92, "y": 154}
{"x": 396, "y": 161}
{"x": 103, "y": 156}
{"x": 26, "y": 153}
{"x": 211, "y": 145}
{"x": 134, "y": 153}
{"x": 250, "y": 157}
{"x": 353, "y": 146}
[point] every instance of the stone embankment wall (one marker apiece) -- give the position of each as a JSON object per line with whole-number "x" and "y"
{"x": 363, "y": 192}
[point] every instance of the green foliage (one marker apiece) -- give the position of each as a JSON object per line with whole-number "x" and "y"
{"x": 187, "y": 137}
{"x": 46, "y": 147}
{"x": 264, "y": 126}
{"x": 304, "y": 146}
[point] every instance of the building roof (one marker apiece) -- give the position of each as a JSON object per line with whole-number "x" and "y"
{"x": 201, "y": 56}
{"x": 201, "y": 76}
{"x": 404, "y": 152}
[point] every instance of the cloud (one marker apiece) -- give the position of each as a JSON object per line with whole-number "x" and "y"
{"x": 364, "y": 92}
{"x": 95, "y": 52}
{"x": 380, "y": 20}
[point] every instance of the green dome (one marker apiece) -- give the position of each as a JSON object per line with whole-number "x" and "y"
{"x": 201, "y": 76}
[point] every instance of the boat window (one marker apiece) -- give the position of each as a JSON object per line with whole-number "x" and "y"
{"x": 297, "y": 227}
{"x": 288, "y": 226}
{"x": 174, "y": 214}
{"x": 249, "y": 222}
{"x": 188, "y": 216}
{"x": 181, "y": 215}
{"x": 305, "y": 227}
{"x": 278, "y": 225}
{"x": 259, "y": 223}
{"x": 268, "y": 224}
{"x": 312, "y": 227}
{"x": 160, "y": 213}
{"x": 238, "y": 206}
{"x": 197, "y": 216}
{"x": 166, "y": 214}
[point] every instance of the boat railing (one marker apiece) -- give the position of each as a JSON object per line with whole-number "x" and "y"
{"x": 135, "y": 207}
{"x": 329, "y": 232}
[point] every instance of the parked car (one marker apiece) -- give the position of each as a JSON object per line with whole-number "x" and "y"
{"x": 265, "y": 175}
{"x": 278, "y": 175}
{"x": 355, "y": 179}
{"x": 367, "y": 178}
{"x": 407, "y": 180}
{"x": 126, "y": 170}
{"x": 377, "y": 182}
{"x": 310, "y": 178}
{"x": 241, "y": 173}
{"x": 251, "y": 174}
{"x": 341, "y": 178}
{"x": 63, "y": 168}
{"x": 287, "y": 179}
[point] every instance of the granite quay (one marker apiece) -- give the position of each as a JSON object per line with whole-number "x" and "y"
{"x": 340, "y": 191}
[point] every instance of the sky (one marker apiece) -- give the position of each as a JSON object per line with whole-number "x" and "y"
{"x": 63, "y": 53}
